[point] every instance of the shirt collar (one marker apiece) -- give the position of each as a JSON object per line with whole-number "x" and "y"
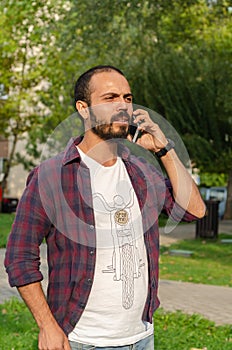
{"x": 71, "y": 151}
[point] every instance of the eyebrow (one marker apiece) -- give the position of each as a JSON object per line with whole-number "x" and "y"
{"x": 116, "y": 94}
{"x": 128, "y": 95}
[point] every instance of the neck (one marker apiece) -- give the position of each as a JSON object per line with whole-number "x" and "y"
{"x": 103, "y": 152}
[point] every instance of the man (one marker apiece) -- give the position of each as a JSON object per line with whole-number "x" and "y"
{"x": 97, "y": 207}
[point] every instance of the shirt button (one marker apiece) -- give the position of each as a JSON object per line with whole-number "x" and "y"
{"x": 89, "y": 281}
{"x": 91, "y": 227}
{"x": 91, "y": 252}
{"x": 82, "y": 305}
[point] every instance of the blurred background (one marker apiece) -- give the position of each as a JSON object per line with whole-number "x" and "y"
{"x": 177, "y": 56}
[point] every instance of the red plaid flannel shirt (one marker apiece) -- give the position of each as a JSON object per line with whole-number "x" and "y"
{"x": 57, "y": 205}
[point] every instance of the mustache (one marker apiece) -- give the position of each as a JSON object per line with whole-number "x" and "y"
{"x": 123, "y": 115}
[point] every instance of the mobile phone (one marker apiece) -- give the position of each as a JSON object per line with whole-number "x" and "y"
{"x": 136, "y": 135}
{"x": 134, "y": 130}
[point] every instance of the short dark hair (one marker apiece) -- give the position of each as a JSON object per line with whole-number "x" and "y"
{"x": 82, "y": 89}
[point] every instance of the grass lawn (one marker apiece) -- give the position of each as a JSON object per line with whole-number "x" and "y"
{"x": 173, "y": 331}
{"x": 6, "y": 221}
{"x": 209, "y": 264}
{"x": 18, "y": 329}
{"x": 178, "y": 331}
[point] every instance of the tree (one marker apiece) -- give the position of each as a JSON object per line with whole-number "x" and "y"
{"x": 24, "y": 42}
{"x": 81, "y": 40}
{"x": 176, "y": 55}
{"x": 188, "y": 80}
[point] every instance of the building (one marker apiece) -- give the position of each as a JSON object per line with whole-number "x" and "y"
{"x": 17, "y": 178}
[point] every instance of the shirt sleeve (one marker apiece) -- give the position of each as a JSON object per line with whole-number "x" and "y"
{"x": 160, "y": 193}
{"x": 173, "y": 209}
{"x": 31, "y": 225}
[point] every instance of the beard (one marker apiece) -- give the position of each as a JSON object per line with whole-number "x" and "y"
{"x": 106, "y": 131}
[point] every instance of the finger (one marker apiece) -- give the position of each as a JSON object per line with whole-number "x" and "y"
{"x": 150, "y": 127}
{"x": 67, "y": 346}
{"x": 129, "y": 137}
{"x": 138, "y": 111}
{"x": 139, "y": 115}
{"x": 146, "y": 126}
{"x": 144, "y": 118}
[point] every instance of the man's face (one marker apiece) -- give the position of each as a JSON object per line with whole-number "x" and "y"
{"x": 111, "y": 105}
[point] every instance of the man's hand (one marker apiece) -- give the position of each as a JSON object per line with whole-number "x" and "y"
{"x": 152, "y": 138}
{"x": 185, "y": 190}
{"x": 53, "y": 338}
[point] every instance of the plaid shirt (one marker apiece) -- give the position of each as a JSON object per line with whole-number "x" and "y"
{"x": 57, "y": 205}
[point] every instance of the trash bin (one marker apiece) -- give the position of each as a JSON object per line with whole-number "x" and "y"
{"x": 207, "y": 227}
{"x": 9, "y": 205}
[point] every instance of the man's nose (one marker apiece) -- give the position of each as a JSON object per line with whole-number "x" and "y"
{"x": 122, "y": 105}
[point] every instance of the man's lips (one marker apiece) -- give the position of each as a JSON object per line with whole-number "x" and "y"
{"x": 121, "y": 119}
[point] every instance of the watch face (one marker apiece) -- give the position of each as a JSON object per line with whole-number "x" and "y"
{"x": 170, "y": 145}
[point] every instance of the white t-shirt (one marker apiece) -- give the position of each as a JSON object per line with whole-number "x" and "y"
{"x": 113, "y": 314}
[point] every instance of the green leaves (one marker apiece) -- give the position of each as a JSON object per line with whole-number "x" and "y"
{"x": 176, "y": 55}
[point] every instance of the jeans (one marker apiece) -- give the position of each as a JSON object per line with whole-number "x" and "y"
{"x": 144, "y": 344}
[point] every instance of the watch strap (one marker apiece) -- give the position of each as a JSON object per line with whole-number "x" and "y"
{"x": 163, "y": 151}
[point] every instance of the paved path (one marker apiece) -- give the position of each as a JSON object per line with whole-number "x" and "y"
{"x": 213, "y": 302}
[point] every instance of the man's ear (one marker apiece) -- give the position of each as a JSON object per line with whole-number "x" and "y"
{"x": 82, "y": 108}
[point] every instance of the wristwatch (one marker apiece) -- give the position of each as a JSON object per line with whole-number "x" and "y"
{"x": 164, "y": 150}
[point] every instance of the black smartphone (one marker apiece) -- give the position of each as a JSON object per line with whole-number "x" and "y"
{"x": 134, "y": 131}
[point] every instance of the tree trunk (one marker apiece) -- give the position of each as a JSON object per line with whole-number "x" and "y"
{"x": 228, "y": 212}
{"x": 9, "y": 164}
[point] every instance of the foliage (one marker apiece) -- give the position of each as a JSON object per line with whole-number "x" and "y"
{"x": 176, "y": 55}
{"x": 213, "y": 179}
{"x": 209, "y": 258}
{"x": 187, "y": 78}
{"x": 24, "y": 46}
